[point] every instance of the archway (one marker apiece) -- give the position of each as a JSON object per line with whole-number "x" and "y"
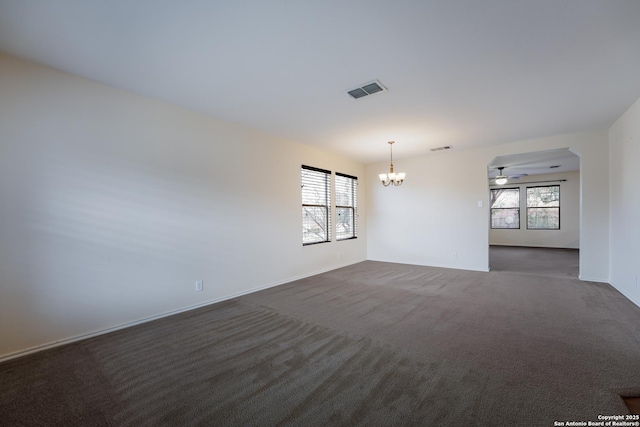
{"x": 539, "y": 206}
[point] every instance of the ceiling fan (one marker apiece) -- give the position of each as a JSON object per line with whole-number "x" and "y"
{"x": 502, "y": 179}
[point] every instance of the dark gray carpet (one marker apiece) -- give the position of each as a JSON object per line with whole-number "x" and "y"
{"x": 547, "y": 262}
{"x": 373, "y": 344}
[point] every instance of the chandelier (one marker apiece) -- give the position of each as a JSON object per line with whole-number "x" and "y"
{"x": 391, "y": 177}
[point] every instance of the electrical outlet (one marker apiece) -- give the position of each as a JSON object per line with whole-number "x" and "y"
{"x": 454, "y": 255}
{"x": 199, "y": 286}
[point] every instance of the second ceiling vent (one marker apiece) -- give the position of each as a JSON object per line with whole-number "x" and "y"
{"x": 366, "y": 89}
{"x": 446, "y": 147}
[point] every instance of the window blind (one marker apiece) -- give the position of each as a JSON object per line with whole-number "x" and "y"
{"x": 346, "y": 205}
{"x": 316, "y": 196}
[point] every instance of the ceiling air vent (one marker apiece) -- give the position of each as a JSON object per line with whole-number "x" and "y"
{"x": 366, "y": 89}
{"x": 446, "y": 147}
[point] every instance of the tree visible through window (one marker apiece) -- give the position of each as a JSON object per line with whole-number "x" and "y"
{"x": 346, "y": 203}
{"x": 316, "y": 196}
{"x": 543, "y": 207}
{"x": 505, "y": 208}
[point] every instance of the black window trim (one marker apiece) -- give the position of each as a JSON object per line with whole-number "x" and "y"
{"x": 519, "y": 210}
{"x": 311, "y": 168}
{"x": 327, "y": 207}
{"x": 353, "y": 208}
{"x": 559, "y": 204}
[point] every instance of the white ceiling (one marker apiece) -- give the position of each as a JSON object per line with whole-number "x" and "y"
{"x": 466, "y": 73}
{"x": 536, "y": 163}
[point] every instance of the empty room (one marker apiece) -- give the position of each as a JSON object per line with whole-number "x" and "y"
{"x": 364, "y": 213}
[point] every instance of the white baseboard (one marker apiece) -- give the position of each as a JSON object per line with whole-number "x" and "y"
{"x": 592, "y": 279}
{"x": 99, "y": 332}
{"x": 626, "y": 294}
{"x": 456, "y": 267}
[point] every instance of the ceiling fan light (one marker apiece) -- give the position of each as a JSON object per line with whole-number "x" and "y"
{"x": 501, "y": 180}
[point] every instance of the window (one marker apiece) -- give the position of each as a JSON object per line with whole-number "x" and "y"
{"x": 346, "y": 198}
{"x": 505, "y": 208}
{"x": 316, "y": 196}
{"x": 543, "y": 207}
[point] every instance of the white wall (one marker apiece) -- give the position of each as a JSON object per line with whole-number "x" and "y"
{"x": 432, "y": 214}
{"x": 113, "y": 205}
{"x": 435, "y": 213}
{"x": 568, "y": 236}
{"x": 624, "y": 158}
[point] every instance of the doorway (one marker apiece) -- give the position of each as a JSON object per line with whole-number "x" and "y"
{"x": 534, "y": 202}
